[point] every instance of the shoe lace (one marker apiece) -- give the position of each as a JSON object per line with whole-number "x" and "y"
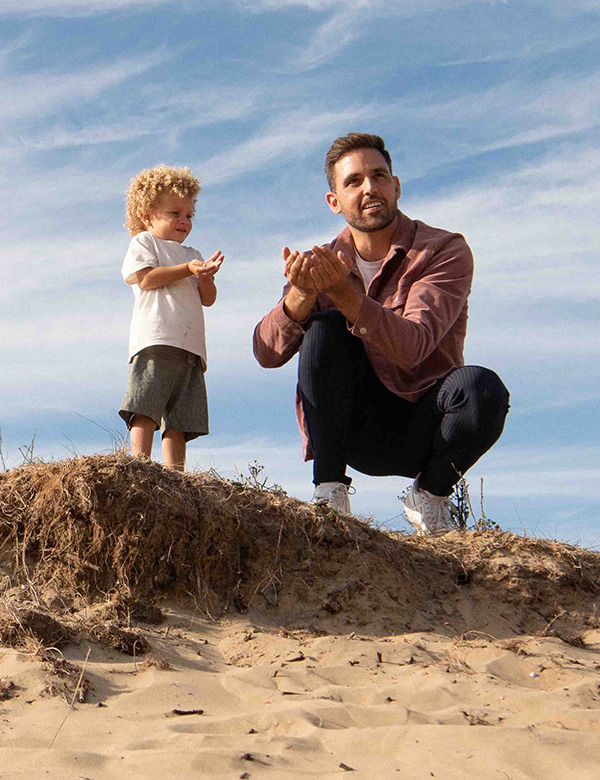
{"x": 343, "y": 490}
{"x": 437, "y": 511}
{"x": 339, "y": 492}
{"x": 446, "y": 511}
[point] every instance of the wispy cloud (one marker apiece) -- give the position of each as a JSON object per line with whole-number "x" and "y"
{"x": 58, "y": 263}
{"x": 557, "y": 105}
{"x": 543, "y": 212}
{"x": 41, "y": 93}
{"x": 414, "y": 7}
{"x": 338, "y": 32}
{"x": 525, "y": 52}
{"x": 152, "y": 118}
{"x": 401, "y": 7}
{"x": 258, "y": 6}
{"x": 67, "y": 8}
{"x": 7, "y": 50}
{"x": 530, "y": 470}
{"x": 567, "y": 7}
{"x": 74, "y": 7}
{"x": 296, "y": 132}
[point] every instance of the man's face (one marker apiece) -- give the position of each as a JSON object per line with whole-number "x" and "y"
{"x": 366, "y": 193}
{"x": 171, "y": 218}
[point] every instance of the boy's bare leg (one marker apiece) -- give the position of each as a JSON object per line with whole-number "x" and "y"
{"x": 141, "y": 435}
{"x": 173, "y": 449}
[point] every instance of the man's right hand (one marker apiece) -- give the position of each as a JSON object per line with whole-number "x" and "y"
{"x": 302, "y": 295}
{"x": 297, "y": 269}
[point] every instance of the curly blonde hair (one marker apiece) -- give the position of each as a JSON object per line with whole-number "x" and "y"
{"x": 146, "y": 188}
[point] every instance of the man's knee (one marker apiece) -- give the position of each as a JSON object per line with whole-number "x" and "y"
{"x": 491, "y": 389}
{"x": 479, "y": 387}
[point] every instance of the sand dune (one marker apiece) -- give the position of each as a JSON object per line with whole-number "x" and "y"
{"x": 157, "y": 625}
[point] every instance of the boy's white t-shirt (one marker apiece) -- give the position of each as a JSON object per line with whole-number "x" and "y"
{"x": 170, "y": 315}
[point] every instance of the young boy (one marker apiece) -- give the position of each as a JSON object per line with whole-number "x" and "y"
{"x": 170, "y": 282}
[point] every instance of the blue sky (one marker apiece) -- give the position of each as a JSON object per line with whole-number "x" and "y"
{"x": 491, "y": 113}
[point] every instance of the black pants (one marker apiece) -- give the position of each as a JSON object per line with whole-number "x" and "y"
{"x": 353, "y": 419}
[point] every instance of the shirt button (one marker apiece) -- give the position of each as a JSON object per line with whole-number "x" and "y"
{"x": 362, "y": 331}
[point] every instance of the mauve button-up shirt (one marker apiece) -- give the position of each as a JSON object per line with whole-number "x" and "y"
{"x": 413, "y": 318}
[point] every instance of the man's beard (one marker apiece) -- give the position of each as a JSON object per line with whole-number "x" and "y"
{"x": 371, "y": 223}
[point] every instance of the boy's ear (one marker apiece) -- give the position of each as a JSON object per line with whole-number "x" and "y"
{"x": 145, "y": 218}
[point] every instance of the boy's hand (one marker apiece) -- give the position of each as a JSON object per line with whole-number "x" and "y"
{"x": 208, "y": 267}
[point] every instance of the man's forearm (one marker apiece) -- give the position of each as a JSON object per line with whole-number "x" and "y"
{"x": 298, "y": 304}
{"x": 347, "y": 300}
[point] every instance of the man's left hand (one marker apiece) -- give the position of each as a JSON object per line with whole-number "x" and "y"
{"x": 329, "y": 271}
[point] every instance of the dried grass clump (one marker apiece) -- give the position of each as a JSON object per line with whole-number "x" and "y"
{"x": 125, "y": 532}
{"x": 32, "y": 626}
{"x": 121, "y": 609}
{"x": 522, "y": 565}
{"x": 117, "y": 638}
{"x": 153, "y": 661}
{"x": 7, "y": 689}
{"x": 64, "y": 679}
{"x": 97, "y": 524}
{"x": 27, "y": 627}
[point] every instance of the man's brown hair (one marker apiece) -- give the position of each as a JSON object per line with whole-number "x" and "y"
{"x": 349, "y": 143}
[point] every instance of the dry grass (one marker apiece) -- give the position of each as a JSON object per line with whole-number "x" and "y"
{"x": 64, "y": 679}
{"x": 88, "y": 544}
{"x": 7, "y": 690}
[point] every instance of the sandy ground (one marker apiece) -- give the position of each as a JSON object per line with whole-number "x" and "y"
{"x": 289, "y": 643}
{"x": 245, "y": 700}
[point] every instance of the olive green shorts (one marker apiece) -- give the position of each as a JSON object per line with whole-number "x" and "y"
{"x": 167, "y": 385}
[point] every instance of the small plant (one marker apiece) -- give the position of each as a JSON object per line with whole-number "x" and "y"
{"x": 255, "y": 480}
{"x": 118, "y": 439}
{"x": 464, "y": 509}
{"x": 2, "y": 461}
{"x": 462, "y": 502}
{"x": 27, "y": 451}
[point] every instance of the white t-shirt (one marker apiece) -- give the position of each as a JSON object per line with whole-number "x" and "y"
{"x": 368, "y": 270}
{"x": 170, "y": 315}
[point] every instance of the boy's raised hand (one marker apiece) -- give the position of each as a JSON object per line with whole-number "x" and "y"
{"x": 208, "y": 267}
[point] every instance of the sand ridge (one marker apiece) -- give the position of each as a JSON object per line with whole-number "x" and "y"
{"x": 323, "y": 647}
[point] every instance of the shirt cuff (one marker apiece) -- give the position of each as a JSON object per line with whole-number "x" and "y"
{"x": 367, "y": 320}
{"x": 287, "y": 324}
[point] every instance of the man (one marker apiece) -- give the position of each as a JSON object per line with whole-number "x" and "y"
{"x": 380, "y": 316}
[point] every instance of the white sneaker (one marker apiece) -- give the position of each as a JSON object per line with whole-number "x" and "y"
{"x": 429, "y": 514}
{"x": 334, "y": 494}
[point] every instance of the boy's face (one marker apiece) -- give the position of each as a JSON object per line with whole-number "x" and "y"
{"x": 171, "y": 218}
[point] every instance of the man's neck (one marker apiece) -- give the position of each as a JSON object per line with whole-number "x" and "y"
{"x": 376, "y": 245}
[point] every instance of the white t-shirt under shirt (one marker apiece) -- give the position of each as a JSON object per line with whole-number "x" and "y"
{"x": 170, "y": 315}
{"x": 368, "y": 269}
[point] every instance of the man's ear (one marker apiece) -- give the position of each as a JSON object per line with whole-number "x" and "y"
{"x": 398, "y": 187}
{"x": 333, "y": 202}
